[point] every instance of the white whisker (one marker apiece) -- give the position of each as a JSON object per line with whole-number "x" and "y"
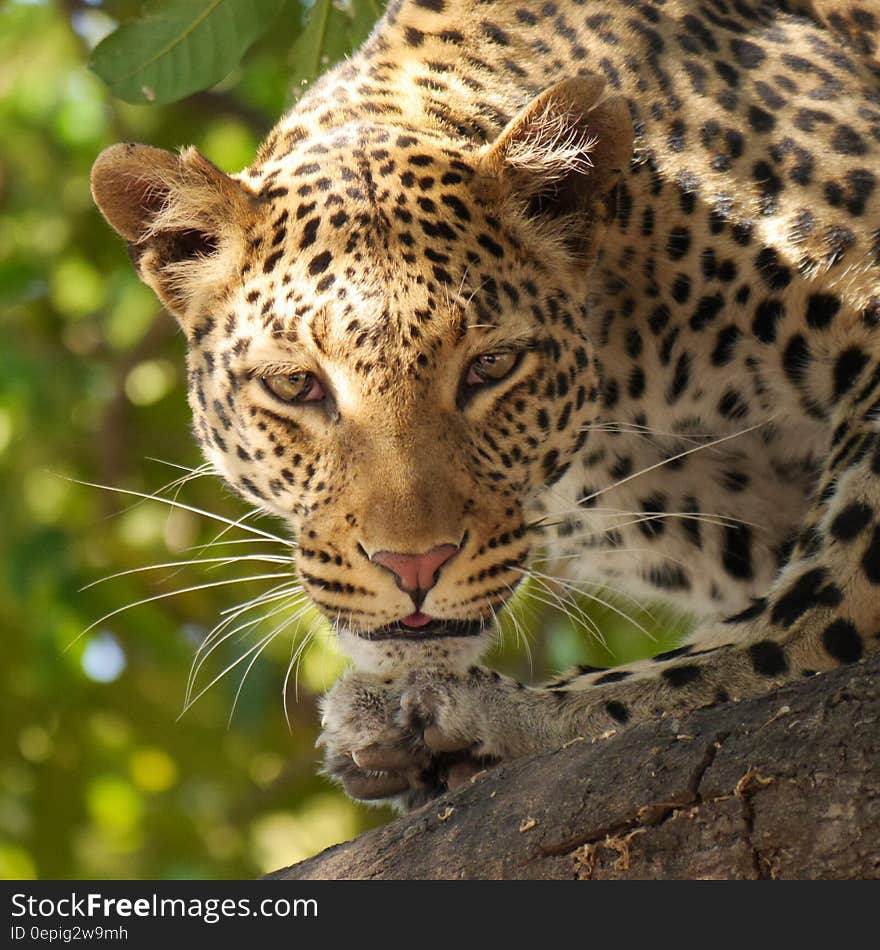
{"x": 191, "y": 508}
{"x": 218, "y": 561}
{"x": 673, "y": 458}
{"x": 175, "y": 593}
{"x": 286, "y": 593}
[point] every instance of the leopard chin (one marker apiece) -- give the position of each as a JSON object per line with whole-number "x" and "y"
{"x": 394, "y": 649}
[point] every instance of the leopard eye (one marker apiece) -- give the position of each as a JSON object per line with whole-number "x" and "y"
{"x": 294, "y": 387}
{"x": 491, "y": 368}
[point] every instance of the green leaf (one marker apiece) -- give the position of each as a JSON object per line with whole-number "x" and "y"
{"x": 364, "y": 15}
{"x": 330, "y": 33}
{"x": 309, "y": 56}
{"x": 180, "y": 47}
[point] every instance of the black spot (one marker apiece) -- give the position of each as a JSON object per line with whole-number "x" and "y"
{"x": 742, "y": 232}
{"x": 736, "y": 554}
{"x": 768, "y": 658}
{"x": 806, "y": 593}
{"x": 770, "y": 185}
{"x": 724, "y": 344}
{"x": 861, "y": 183}
{"x": 707, "y": 310}
{"x": 668, "y": 345}
{"x": 757, "y": 607}
{"x": 673, "y": 654}
{"x": 652, "y": 525}
{"x": 807, "y": 119}
{"x": 659, "y": 318}
{"x": 495, "y": 249}
{"x": 633, "y": 342}
{"x": 681, "y": 288}
{"x": 668, "y": 577}
{"x": 679, "y": 676}
{"x": 847, "y": 369}
{"x": 320, "y": 262}
{"x": 842, "y": 641}
{"x": 677, "y": 140}
{"x": 615, "y": 676}
{"x": 708, "y": 262}
{"x": 585, "y": 669}
{"x": 310, "y": 232}
{"x": 610, "y": 393}
{"x": 678, "y": 243}
{"x": 617, "y": 711}
{"x": 735, "y": 481}
{"x": 871, "y": 560}
{"x": 767, "y": 315}
{"x": 796, "y": 358}
{"x": 761, "y": 120}
{"x": 459, "y": 209}
{"x": 850, "y": 522}
{"x": 821, "y": 309}
{"x": 271, "y": 261}
{"x": 636, "y": 383}
{"x": 727, "y": 73}
{"x": 838, "y": 240}
{"x": 680, "y": 379}
{"x": 687, "y": 196}
{"x": 749, "y": 55}
{"x": 769, "y": 96}
{"x": 776, "y": 275}
{"x": 846, "y": 141}
{"x": 495, "y": 33}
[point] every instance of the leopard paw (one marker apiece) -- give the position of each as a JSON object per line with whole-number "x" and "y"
{"x": 383, "y": 741}
{"x": 446, "y": 710}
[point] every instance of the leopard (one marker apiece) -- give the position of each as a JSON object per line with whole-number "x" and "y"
{"x": 590, "y": 283}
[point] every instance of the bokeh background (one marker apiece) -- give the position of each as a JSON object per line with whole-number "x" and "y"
{"x": 105, "y": 771}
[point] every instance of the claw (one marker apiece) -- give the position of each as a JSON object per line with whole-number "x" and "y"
{"x": 373, "y": 787}
{"x": 382, "y": 758}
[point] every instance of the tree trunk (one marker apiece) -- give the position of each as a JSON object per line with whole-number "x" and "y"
{"x": 783, "y": 786}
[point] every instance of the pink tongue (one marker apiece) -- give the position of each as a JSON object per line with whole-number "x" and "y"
{"x": 417, "y": 620}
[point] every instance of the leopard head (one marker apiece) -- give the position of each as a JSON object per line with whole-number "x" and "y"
{"x": 389, "y": 346}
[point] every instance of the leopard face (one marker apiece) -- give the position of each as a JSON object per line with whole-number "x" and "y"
{"x": 397, "y": 364}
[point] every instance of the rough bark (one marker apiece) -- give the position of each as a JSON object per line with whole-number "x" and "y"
{"x": 784, "y": 786}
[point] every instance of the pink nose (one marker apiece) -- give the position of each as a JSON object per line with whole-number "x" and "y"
{"x": 415, "y": 573}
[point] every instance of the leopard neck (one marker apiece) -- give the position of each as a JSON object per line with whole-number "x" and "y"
{"x": 461, "y": 69}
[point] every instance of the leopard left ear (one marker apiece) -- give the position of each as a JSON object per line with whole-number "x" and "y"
{"x": 181, "y": 215}
{"x": 563, "y": 153}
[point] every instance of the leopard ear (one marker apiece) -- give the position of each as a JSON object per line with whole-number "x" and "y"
{"x": 181, "y": 216}
{"x": 562, "y": 155}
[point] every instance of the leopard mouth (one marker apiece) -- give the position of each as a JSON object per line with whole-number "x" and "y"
{"x": 435, "y": 630}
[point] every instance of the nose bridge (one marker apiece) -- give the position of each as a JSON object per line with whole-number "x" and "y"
{"x": 415, "y": 502}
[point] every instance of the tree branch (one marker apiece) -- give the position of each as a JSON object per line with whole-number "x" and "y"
{"x": 786, "y": 785}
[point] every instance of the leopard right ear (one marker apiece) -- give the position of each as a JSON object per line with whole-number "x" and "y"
{"x": 559, "y": 159}
{"x": 183, "y": 218}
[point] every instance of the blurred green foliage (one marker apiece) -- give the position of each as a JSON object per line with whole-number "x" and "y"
{"x": 98, "y": 777}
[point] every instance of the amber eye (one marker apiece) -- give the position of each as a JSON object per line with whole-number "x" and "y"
{"x": 294, "y": 387}
{"x": 491, "y": 368}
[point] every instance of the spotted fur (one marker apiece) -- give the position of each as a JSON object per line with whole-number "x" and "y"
{"x": 668, "y": 211}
